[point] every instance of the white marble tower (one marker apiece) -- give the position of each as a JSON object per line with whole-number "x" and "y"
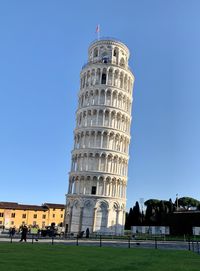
{"x": 96, "y": 196}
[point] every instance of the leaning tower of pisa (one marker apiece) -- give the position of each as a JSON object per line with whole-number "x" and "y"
{"x": 96, "y": 197}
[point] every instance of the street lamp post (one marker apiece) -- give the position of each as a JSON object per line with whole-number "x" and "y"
{"x": 177, "y": 202}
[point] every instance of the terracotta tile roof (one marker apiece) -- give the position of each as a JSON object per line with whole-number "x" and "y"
{"x": 43, "y": 207}
{"x": 8, "y": 205}
{"x": 54, "y": 205}
{"x": 32, "y": 207}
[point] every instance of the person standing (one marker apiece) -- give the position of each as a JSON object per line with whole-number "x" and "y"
{"x": 87, "y": 233}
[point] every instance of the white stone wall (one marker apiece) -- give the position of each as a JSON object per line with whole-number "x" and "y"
{"x": 96, "y": 196}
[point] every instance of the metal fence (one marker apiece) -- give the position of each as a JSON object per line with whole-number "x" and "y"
{"x": 108, "y": 241}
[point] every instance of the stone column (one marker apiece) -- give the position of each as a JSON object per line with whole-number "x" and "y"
{"x": 94, "y": 219}
{"x": 80, "y": 219}
{"x": 117, "y": 221}
{"x": 70, "y": 219}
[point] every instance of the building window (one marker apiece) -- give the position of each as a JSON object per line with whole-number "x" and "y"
{"x": 23, "y": 215}
{"x": 35, "y": 216}
{"x": 13, "y": 215}
{"x": 54, "y": 209}
{"x": 61, "y": 216}
{"x": 44, "y": 216}
{"x": 1, "y": 222}
{"x": 93, "y": 190}
{"x": 1, "y": 214}
{"x": 34, "y": 223}
{"x": 115, "y": 53}
{"x": 54, "y": 215}
{"x": 43, "y": 224}
{"x": 12, "y": 222}
{"x": 103, "y": 79}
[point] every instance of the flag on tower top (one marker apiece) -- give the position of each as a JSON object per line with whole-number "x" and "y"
{"x": 98, "y": 31}
{"x": 98, "y": 28}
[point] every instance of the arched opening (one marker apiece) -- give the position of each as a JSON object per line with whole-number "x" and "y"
{"x": 108, "y": 97}
{"x": 96, "y": 52}
{"x": 109, "y": 163}
{"x": 110, "y": 76}
{"x": 100, "y": 190}
{"x": 96, "y": 96}
{"x": 97, "y": 161}
{"x": 91, "y": 98}
{"x": 90, "y": 162}
{"x": 100, "y": 118}
{"x": 102, "y": 96}
{"x": 98, "y": 76}
{"x": 101, "y": 218}
{"x": 87, "y": 185}
{"x": 106, "y": 120}
{"x": 87, "y": 216}
{"x": 122, "y": 62}
{"x": 104, "y": 143}
{"x": 116, "y": 78}
{"x": 75, "y": 217}
{"x": 105, "y": 57}
{"x": 84, "y": 164}
{"x": 94, "y": 117}
{"x": 89, "y": 118}
{"x": 94, "y": 186}
{"x": 93, "y": 77}
{"x": 103, "y": 162}
{"x": 92, "y": 139}
{"x": 115, "y": 55}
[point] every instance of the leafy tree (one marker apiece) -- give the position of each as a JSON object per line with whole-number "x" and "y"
{"x": 136, "y": 218}
{"x": 157, "y": 210}
{"x": 171, "y": 206}
{"x": 152, "y": 202}
{"x": 129, "y": 219}
{"x": 148, "y": 215}
{"x": 187, "y": 202}
{"x": 127, "y": 222}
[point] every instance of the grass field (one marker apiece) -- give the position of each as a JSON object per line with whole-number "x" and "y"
{"x": 45, "y": 257}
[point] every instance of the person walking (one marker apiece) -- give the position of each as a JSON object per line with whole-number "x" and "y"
{"x": 24, "y": 231}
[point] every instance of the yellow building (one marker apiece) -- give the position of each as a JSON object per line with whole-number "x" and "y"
{"x": 13, "y": 214}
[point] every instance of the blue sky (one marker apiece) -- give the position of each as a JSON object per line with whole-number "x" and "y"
{"x": 43, "y": 45}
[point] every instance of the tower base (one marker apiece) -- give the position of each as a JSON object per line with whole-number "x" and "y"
{"x": 100, "y": 215}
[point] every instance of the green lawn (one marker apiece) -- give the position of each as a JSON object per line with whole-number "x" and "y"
{"x": 25, "y": 257}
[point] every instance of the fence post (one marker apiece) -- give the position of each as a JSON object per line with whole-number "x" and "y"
{"x": 129, "y": 242}
{"x": 198, "y": 247}
{"x": 77, "y": 240}
{"x": 156, "y": 245}
{"x": 52, "y": 240}
{"x": 11, "y": 238}
{"x": 189, "y": 243}
{"x": 32, "y": 238}
{"x": 192, "y": 245}
{"x": 100, "y": 241}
